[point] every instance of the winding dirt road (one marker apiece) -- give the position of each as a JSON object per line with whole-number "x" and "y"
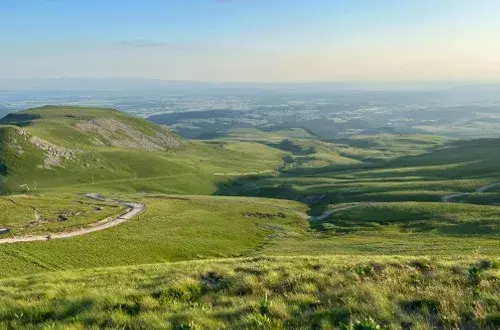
{"x": 448, "y": 198}
{"x": 133, "y": 210}
{"x": 445, "y": 199}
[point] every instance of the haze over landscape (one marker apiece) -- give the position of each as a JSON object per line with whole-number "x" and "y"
{"x": 250, "y": 164}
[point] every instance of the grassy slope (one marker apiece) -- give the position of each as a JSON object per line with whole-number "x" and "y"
{"x": 193, "y": 168}
{"x": 190, "y": 170}
{"x": 59, "y": 124}
{"x": 396, "y": 169}
{"x": 253, "y": 134}
{"x": 301, "y": 292}
{"x": 449, "y": 218}
{"x": 172, "y": 228}
{"x": 181, "y": 168}
{"x": 411, "y": 175}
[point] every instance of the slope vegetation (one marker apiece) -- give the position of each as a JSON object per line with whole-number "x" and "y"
{"x": 51, "y": 147}
{"x": 172, "y": 228}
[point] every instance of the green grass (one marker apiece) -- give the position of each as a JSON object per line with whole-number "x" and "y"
{"x": 59, "y": 124}
{"x": 178, "y": 227}
{"x": 488, "y": 198}
{"x": 252, "y": 134}
{"x": 448, "y": 218}
{"x": 198, "y": 168}
{"x": 387, "y": 243}
{"x": 388, "y": 146}
{"x": 301, "y": 292}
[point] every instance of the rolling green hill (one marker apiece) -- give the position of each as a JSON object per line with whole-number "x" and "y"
{"x": 51, "y": 147}
{"x": 384, "y": 169}
{"x": 78, "y": 127}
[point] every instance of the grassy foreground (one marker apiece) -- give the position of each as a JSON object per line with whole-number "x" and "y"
{"x": 301, "y": 292}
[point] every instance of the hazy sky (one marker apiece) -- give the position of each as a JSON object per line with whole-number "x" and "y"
{"x": 252, "y": 40}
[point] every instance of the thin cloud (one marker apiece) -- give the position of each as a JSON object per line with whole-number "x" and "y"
{"x": 145, "y": 43}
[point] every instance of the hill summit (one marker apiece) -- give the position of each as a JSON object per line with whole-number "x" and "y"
{"x": 94, "y": 127}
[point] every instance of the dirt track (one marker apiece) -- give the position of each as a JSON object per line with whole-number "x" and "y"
{"x": 328, "y": 213}
{"x": 448, "y": 198}
{"x": 445, "y": 199}
{"x": 132, "y": 210}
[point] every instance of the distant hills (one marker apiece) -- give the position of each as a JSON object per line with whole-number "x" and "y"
{"x": 83, "y": 84}
{"x": 175, "y": 117}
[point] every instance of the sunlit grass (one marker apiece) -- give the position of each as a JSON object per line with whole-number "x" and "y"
{"x": 326, "y": 292}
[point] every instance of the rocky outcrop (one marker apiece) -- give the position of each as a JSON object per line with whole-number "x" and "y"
{"x": 52, "y": 149}
{"x": 54, "y": 153}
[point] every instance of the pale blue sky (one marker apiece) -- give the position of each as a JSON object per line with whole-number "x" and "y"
{"x": 252, "y": 40}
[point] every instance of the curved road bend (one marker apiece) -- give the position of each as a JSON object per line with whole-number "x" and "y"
{"x": 448, "y": 198}
{"x": 444, "y": 199}
{"x": 133, "y": 210}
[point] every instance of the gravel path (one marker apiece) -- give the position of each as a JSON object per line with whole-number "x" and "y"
{"x": 328, "y": 213}
{"x": 133, "y": 210}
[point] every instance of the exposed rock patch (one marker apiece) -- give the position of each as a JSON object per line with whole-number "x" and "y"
{"x": 52, "y": 149}
{"x": 115, "y": 133}
{"x": 54, "y": 153}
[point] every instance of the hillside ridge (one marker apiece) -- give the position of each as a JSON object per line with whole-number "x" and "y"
{"x": 100, "y": 127}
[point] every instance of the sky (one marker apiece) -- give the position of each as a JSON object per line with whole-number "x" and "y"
{"x": 252, "y": 40}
